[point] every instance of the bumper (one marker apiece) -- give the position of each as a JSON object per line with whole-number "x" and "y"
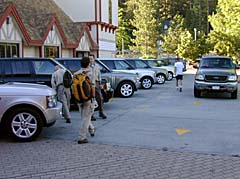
{"x": 207, "y": 86}
{"x": 52, "y": 114}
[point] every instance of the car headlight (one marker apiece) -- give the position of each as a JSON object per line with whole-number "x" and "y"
{"x": 199, "y": 77}
{"x": 52, "y": 101}
{"x": 232, "y": 78}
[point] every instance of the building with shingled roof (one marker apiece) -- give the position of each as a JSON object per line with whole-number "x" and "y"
{"x": 40, "y": 28}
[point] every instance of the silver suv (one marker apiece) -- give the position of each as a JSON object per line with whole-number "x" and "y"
{"x": 26, "y": 108}
{"x": 162, "y": 74}
{"x": 147, "y": 77}
{"x": 216, "y": 74}
{"x": 124, "y": 84}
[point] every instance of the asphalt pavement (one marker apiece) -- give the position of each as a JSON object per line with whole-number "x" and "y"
{"x": 122, "y": 149}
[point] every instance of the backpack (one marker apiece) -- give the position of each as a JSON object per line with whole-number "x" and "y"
{"x": 81, "y": 88}
{"x": 67, "y": 79}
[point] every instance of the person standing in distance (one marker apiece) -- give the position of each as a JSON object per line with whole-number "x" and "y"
{"x": 86, "y": 108}
{"x": 178, "y": 71}
{"x": 99, "y": 97}
{"x": 63, "y": 94}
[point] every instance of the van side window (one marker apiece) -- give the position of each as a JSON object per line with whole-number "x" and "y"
{"x": 7, "y": 68}
{"x": 20, "y": 67}
{"x": 43, "y": 67}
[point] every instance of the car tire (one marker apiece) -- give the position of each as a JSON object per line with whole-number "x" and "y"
{"x": 125, "y": 89}
{"x": 197, "y": 93}
{"x": 146, "y": 83}
{"x": 161, "y": 79}
{"x": 170, "y": 76}
{"x": 234, "y": 94}
{"x": 24, "y": 124}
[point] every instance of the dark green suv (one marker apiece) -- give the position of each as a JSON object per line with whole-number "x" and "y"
{"x": 216, "y": 74}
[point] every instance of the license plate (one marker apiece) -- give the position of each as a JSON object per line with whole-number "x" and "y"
{"x": 215, "y": 87}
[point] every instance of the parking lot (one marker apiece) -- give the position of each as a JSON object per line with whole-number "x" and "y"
{"x": 157, "y": 133}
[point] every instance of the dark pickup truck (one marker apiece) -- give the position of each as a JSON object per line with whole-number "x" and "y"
{"x": 216, "y": 74}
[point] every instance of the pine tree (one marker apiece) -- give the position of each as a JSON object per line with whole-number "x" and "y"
{"x": 145, "y": 34}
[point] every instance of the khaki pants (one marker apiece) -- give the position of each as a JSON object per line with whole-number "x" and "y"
{"x": 64, "y": 95}
{"x": 99, "y": 97}
{"x": 86, "y": 110}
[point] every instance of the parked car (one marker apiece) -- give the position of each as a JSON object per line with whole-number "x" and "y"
{"x": 216, "y": 74}
{"x": 26, "y": 108}
{"x": 35, "y": 70}
{"x": 160, "y": 64}
{"x": 162, "y": 74}
{"x": 123, "y": 83}
{"x": 147, "y": 77}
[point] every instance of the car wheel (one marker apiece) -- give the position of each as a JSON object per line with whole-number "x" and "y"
{"x": 161, "y": 79}
{"x": 234, "y": 94}
{"x": 170, "y": 76}
{"x": 125, "y": 89}
{"x": 197, "y": 93}
{"x": 146, "y": 83}
{"x": 24, "y": 124}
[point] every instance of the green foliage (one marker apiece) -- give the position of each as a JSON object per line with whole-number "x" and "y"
{"x": 122, "y": 35}
{"x": 145, "y": 33}
{"x": 225, "y": 23}
{"x": 180, "y": 41}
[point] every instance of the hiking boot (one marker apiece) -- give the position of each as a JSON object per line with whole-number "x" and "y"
{"x": 93, "y": 118}
{"x": 180, "y": 89}
{"x": 102, "y": 115}
{"x": 68, "y": 120}
{"x": 91, "y": 131}
{"x": 83, "y": 141}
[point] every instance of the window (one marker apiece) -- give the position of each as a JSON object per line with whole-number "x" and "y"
{"x": 122, "y": 65}
{"x": 73, "y": 65}
{"x": 51, "y": 52}
{"x": 141, "y": 64}
{"x": 109, "y": 64}
{"x": 21, "y": 67}
{"x": 9, "y": 50}
{"x": 43, "y": 67}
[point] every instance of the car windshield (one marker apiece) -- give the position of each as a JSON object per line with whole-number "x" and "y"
{"x": 222, "y": 63}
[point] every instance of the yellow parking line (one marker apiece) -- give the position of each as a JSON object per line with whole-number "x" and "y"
{"x": 182, "y": 131}
{"x": 197, "y": 102}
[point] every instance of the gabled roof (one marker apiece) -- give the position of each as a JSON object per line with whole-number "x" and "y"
{"x": 38, "y": 17}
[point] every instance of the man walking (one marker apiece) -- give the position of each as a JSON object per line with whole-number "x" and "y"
{"x": 63, "y": 94}
{"x": 178, "y": 71}
{"x": 86, "y": 108}
{"x": 99, "y": 97}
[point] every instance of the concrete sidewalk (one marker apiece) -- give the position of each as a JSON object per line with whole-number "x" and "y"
{"x": 58, "y": 159}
